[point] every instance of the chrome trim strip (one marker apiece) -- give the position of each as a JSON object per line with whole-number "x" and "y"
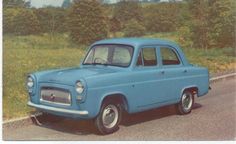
{"x": 57, "y": 103}
{"x": 57, "y": 109}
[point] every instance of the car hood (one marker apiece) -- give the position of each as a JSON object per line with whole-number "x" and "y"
{"x": 71, "y": 75}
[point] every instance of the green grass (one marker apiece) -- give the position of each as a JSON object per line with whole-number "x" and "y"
{"x": 23, "y": 55}
{"x": 26, "y": 54}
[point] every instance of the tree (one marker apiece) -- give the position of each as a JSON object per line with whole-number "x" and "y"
{"x": 9, "y": 15}
{"x": 161, "y": 17}
{"x": 134, "y": 29}
{"x": 200, "y": 26}
{"x": 184, "y": 36}
{"x": 25, "y": 22}
{"x": 213, "y": 23}
{"x": 114, "y": 25}
{"x": 52, "y": 20}
{"x": 87, "y": 22}
{"x": 222, "y": 21}
{"x": 126, "y": 10}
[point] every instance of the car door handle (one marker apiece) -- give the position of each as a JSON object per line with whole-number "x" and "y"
{"x": 185, "y": 71}
{"x": 162, "y": 72}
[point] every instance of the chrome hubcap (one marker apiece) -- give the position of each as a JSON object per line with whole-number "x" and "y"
{"x": 110, "y": 116}
{"x": 187, "y": 101}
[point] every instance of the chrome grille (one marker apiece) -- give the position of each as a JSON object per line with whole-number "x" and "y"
{"x": 55, "y": 95}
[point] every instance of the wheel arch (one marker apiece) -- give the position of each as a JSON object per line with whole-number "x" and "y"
{"x": 193, "y": 89}
{"x": 117, "y": 97}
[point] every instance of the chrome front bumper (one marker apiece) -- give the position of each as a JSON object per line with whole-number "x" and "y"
{"x": 60, "y": 110}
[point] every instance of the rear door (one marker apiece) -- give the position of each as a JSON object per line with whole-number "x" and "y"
{"x": 173, "y": 73}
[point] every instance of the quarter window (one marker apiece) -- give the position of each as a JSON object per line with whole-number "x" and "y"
{"x": 169, "y": 57}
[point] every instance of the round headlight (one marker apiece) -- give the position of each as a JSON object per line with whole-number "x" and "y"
{"x": 79, "y": 87}
{"x": 30, "y": 82}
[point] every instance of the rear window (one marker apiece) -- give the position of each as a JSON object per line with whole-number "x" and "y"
{"x": 169, "y": 56}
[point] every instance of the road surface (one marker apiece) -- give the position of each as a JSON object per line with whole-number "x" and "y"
{"x": 213, "y": 118}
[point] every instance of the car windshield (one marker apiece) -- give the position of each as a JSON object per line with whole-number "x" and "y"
{"x": 114, "y": 55}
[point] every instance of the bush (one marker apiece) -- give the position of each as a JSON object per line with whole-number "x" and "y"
{"x": 124, "y": 11}
{"x": 87, "y": 22}
{"x": 161, "y": 17}
{"x": 184, "y": 37}
{"x": 222, "y": 21}
{"x": 134, "y": 29}
{"x": 213, "y": 23}
{"x": 52, "y": 20}
{"x": 8, "y": 20}
{"x": 114, "y": 25}
{"x": 25, "y": 22}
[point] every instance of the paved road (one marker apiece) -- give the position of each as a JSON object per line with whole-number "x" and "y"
{"x": 213, "y": 118}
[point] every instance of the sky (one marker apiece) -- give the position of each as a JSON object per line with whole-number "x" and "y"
{"x": 41, "y": 3}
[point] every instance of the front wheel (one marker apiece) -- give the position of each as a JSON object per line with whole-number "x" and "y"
{"x": 186, "y": 103}
{"x": 109, "y": 118}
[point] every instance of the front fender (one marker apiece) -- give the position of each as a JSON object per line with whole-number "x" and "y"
{"x": 95, "y": 99}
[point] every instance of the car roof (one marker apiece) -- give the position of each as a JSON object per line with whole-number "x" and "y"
{"x": 137, "y": 41}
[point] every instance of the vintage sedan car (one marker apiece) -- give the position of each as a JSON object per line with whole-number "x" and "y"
{"x": 119, "y": 75}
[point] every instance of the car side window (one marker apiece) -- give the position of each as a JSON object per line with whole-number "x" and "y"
{"x": 169, "y": 56}
{"x": 147, "y": 57}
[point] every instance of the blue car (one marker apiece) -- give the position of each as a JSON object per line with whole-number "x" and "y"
{"x": 119, "y": 75}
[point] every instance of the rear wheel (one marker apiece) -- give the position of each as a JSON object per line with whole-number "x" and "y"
{"x": 186, "y": 103}
{"x": 109, "y": 118}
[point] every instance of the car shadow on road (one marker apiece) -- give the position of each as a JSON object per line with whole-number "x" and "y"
{"x": 72, "y": 126}
{"x": 84, "y": 127}
{"x": 132, "y": 119}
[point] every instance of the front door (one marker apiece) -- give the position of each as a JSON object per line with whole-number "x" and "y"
{"x": 147, "y": 77}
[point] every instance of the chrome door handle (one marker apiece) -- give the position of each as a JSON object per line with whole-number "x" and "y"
{"x": 185, "y": 71}
{"x": 162, "y": 72}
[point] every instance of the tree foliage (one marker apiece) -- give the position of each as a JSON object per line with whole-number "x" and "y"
{"x": 222, "y": 21}
{"x": 161, "y": 17}
{"x": 124, "y": 11}
{"x": 52, "y": 20}
{"x": 9, "y": 15}
{"x": 213, "y": 23}
{"x": 134, "y": 29}
{"x": 200, "y": 28}
{"x": 20, "y": 21}
{"x": 114, "y": 25}
{"x": 26, "y": 22}
{"x": 87, "y": 22}
{"x": 199, "y": 23}
{"x": 184, "y": 36}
